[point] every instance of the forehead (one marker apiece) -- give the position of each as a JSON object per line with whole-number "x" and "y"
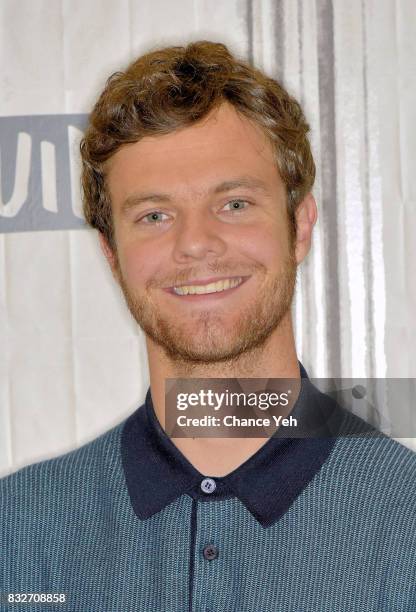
{"x": 222, "y": 145}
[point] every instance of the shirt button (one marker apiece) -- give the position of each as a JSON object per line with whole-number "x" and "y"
{"x": 210, "y": 552}
{"x": 208, "y": 485}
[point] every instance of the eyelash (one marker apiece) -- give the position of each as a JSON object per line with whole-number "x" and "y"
{"x": 153, "y": 212}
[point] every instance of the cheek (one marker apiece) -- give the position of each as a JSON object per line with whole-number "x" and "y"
{"x": 137, "y": 266}
{"x": 267, "y": 245}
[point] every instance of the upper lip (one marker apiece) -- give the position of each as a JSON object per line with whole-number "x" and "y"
{"x": 206, "y": 281}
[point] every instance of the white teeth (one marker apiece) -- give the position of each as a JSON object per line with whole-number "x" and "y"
{"x": 221, "y": 285}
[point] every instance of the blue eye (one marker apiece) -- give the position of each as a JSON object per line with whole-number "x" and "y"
{"x": 152, "y": 214}
{"x": 237, "y": 202}
{"x": 151, "y": 218}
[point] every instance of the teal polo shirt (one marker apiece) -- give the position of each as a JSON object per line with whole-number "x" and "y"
{"x": 126, "y": 523}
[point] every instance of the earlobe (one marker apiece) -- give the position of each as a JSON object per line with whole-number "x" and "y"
{"x": 306, "y": 217}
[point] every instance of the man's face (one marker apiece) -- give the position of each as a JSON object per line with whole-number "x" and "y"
{"x": 191, "y": 232}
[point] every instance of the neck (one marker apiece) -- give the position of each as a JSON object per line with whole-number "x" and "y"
{"x": 275, "y": 359}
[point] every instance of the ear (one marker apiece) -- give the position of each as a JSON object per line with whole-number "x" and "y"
{"x": 110, "y": 256}
{"x": 306, "y": 215}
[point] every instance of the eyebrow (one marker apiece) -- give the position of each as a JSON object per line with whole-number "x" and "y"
{"x": 249, "y": 182}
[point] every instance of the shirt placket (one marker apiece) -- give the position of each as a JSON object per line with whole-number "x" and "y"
{"x": 208, "y": 560}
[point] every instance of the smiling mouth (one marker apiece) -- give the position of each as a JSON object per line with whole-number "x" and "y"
{"x": 221, "y": 286}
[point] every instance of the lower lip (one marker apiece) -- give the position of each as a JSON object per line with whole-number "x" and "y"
{"x": 203, "y": 297}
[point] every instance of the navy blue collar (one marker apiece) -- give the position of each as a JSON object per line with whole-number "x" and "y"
{"x": 267, "y": 483}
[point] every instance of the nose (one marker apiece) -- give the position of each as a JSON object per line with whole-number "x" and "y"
{"x": 198, "y": 235}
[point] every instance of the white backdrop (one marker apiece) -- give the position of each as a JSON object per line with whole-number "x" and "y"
{"x": 72, "y": 361}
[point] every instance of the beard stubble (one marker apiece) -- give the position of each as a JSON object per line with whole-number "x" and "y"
{"x": 202, "y": 337}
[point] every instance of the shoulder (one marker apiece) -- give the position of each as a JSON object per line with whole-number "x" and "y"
{"x": 376, "y": 468}
{"x": 360, "y": 450}
{"x": 54, "y": 512}
{"x": 66, "y": 476}
{"x": 378, "y": 450}
{"x": 362, "y": 457}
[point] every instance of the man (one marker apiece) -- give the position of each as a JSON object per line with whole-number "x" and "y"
{"x": 197, "y": 172}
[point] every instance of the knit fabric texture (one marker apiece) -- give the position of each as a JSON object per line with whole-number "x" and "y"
{"x": 347, "y": 542}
